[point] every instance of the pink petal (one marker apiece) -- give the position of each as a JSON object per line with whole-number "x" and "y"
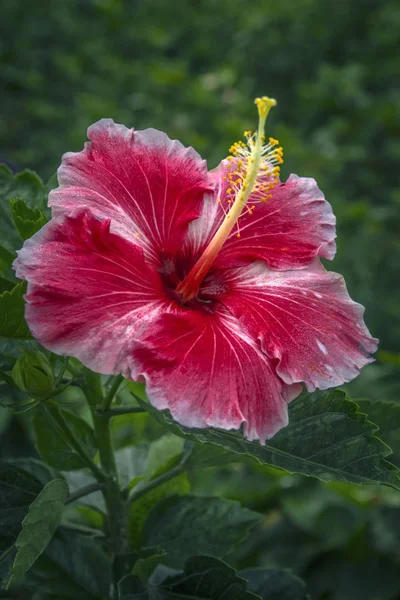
{"x": 89, "y": 291}
{"x": 304, "y": 319}
{"x": 288, "y": 231}
{"x": 209, "y": 373}
{"x": 148, "y": 185}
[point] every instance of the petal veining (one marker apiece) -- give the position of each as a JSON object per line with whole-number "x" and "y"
{"x": 89, "y": 290}
{"x": 150, "y": 187}
{"x": 287, "y": 231}
{"x": 304, "y": 319}
{"x": 209, "y": 373}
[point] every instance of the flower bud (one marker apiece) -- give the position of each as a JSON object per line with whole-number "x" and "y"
{"x": 33, "y": 374}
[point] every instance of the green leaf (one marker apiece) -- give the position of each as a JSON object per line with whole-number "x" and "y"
{"x": 11, "y": 350}
{"x": 314, "y": 507}
{"x": 201, "y": 456}
{"x": 204, "y": 578}
{"x": 79, "y": 479}
{"x": 326, "y": 438}
{"x": 77, "y": 561}
{"x": 11, "y": 397}
{"x": 21, "y": 482}
{"x": 135, "y": 429}
{"x": 6, "y": 260}
{"x": 29, "y": 188}
{"x": 184, "y": 526}
{"x": 371, "y": 577}
{"x": 33, "y": 374}
{"x": 164, "y": 454}
{"x": 52, "y": 443}
{"x": 275, "y": 584}
{"x": 6, "y": 285}
{"x": 95, "y": 517}
{"x": 60, "y": 588}
{"x": 281, "y": 544}
{"x": 12, "y": 308}
{"x": 27, "y": 220}
{"x": 131, "y": 464}
{"x": 141, "y": 508}
{"x": 39, "y": 526}
{"x": 386, "y": 415}
{"x": 146, "y": 564}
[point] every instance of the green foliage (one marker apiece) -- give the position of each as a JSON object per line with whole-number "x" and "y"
{"x": 326, "y": 438}
{"x": 74, "y": 567}
{"x": 141, "y": 508}
{"x": 21, "y": 482}
{"x": 32, "y": 373}
{"x": 183, "y": 526}
{"x": 164, "y": 453}
{"x": 144, "y": 463}
{"x": 54, "y": 445}
{"x": 145, "y": 566}
{"x": 6, "y": 259}
{"x": 39, "y": 526}
{"x": 131, "y": 464}
{"x": 30, "y": 191}
{"x": 274, "y": 584}
{"x": 27, "y": 220}
{"x": 387, "y": 416}
{"x": 12, "y": 322}
{"x": 203, "y": 577}
{"x": 313, "y": 509}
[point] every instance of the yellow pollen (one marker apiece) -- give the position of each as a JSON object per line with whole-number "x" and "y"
{"x": 264, "y": 105}
{"x": 253, "y": 169}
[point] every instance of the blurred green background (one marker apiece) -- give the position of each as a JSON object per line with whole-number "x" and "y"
{"x": 192, "y": 68}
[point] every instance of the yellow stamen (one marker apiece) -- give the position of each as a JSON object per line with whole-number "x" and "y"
{"x": 254, "y": 160}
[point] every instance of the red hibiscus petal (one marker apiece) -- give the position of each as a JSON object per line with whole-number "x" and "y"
{"x": 89, "y": 291}
{"x": 304, "y": 319}
{"x": 288, "y": 231}
{"x": 209, "y": 373}
{"x": 148, "y": 185}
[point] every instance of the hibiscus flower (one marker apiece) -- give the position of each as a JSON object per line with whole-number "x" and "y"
{"x": 205, "y": 285}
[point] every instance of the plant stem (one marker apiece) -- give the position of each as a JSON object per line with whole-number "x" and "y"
{"x": 62, "y": 371}
{"x": 84, "y": 491}
{"x": 136, "y": 494}
{"x": 109, "y": 397}
{"x": 57, "y": 391}
{"x": 119, "y": 410}
{"x": 107, "y": 458}
{"x": 57, "y": 415}
{"x": 116, "y": 507}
